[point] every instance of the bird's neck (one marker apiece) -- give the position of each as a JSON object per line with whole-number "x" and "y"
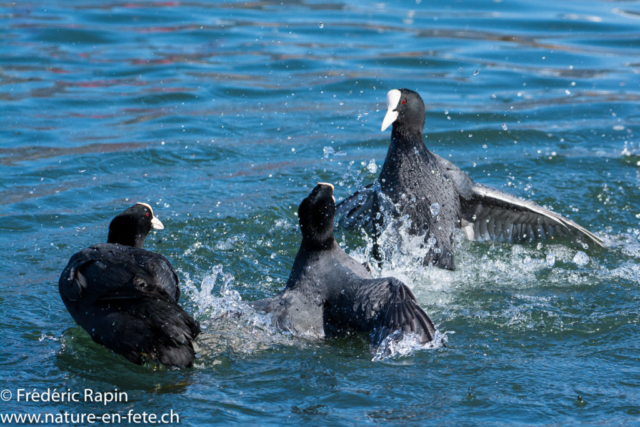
{"x": 310, "y": 252}
{"x": 406, "y": 153}
{"x": 406, "y": 140}
{"x": 133, "y": 240}
{"x": 316, "y": 245}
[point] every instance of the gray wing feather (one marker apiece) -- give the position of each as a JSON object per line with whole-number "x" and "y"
{"x": 382, "y": 307}
{"x": 491, "y": 214}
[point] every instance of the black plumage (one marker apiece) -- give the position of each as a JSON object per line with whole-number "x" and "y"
{"x": 438, "y": 197}
{"x": 328, "y": 292}
{"x": 126, "y": 297}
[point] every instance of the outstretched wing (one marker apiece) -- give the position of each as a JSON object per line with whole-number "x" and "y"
{"x": 491, "y": 214}
{"x": 355, "y": 210}
{"x": 381, "y": 307}
{"x": 496, "y": 215}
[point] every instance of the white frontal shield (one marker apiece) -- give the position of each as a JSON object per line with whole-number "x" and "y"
{"x": 393, "y": 98}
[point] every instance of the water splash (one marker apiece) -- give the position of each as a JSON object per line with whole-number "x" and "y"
{"x": 581, "y": 259}
{"x": 229, "y": 324}
{"x": 372, "y": 167}
{"x": 550, "y": 259}
{"x": 520, "y": 274}
{"x": 205, "y": 299}
{"x": 354, "y": 177}
{"x": 399, "y": 345}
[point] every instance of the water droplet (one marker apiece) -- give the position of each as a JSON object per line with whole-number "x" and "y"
{"x": 435, "y": 209}
{"x": 320, "y": 25}
{"x": 372, "y": 167}
{"x": 581, "y": 259}
{"x": 504, "y": 126}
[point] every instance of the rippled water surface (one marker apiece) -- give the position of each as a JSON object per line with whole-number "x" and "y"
{"x": 223, "y": 116}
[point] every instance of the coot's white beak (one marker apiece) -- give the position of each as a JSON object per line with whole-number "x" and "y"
{"x": 393, "y": 99}
{"x": 155, "y": 223}
{"x": 328, "y": 185}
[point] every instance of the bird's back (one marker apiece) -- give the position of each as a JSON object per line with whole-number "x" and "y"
{"x": 127, "y": 300}
{"x": 106, "y": 268}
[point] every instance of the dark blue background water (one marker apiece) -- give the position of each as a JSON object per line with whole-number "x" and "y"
{"x": 224, "y": 115}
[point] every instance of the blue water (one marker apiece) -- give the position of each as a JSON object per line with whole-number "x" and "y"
{"x": 224, "y": 115}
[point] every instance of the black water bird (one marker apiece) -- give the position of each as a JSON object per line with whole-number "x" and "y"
{"x": 438, "y": 197}
{"x": 328, "y": 292}
{"x": 126, "y": 297}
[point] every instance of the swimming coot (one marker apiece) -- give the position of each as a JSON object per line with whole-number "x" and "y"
{"x": 126, "y": 297}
